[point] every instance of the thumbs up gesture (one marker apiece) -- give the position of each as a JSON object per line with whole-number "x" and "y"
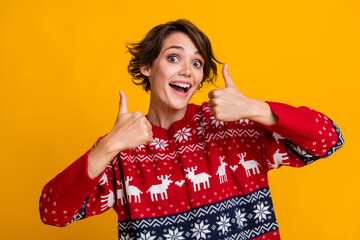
{"x": 130, "y": 130}
{"x": 229, "y": 104}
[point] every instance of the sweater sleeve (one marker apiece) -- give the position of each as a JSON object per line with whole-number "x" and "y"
{"x": 301, "y": 136}
{"x": 73, "y": 195}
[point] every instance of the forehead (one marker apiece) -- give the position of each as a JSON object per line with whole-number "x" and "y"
{"x": 179, "y": 39}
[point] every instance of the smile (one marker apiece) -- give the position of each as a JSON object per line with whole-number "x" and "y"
{"x": 180, "y": 87}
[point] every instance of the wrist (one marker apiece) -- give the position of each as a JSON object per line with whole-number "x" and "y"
{"x": 109, "y": 147}
{"x": 99, "y": 157}
{"x": 262, "y": 113}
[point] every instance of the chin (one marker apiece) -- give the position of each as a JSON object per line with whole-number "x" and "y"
{"x": 178, "y": 105}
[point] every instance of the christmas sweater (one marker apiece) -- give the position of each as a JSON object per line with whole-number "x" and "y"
{"x": 200, "y": 179}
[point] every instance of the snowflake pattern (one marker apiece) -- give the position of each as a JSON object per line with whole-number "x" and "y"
{"x": 159, "y": 143}
{"x": 227, "y": 219}
{"x": 216, "y": 122}
{"x": 182, "y": 134}
{"x": 174, "y": 235}
{"x": 200, "y": 230}
{"x": 146, "y": 236}
{"x": 261, "y": 211}
{"x": 224, "y": 224}
{"x": 201, "y": 128}
{"x": 240, "y": 218}
{"x": 126, "y": 237}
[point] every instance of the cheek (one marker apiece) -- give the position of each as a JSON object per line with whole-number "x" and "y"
{"x": 164, "y": 71}
{"x": 156, "y": 76}
{"x": 199, "y": 77}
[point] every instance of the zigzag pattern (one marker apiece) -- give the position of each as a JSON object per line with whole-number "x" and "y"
{"x": 200, "y": 211}
{"x": 162, "y": 156}
{"x": 150, "y": 157}
{"x": 191, "y": 147}
{"x": 232, "y": 133}
{"x": 205, "y": 108}
{"x": 197, "y": 117}
{"x": 254, "y": 227}
{"x": 126, "y": 225}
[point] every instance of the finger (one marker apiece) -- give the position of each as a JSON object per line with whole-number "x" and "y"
{"x": 212, "y": 93}
{"x": 213, "y": 102}
{"x": 149, "y": 124}
{"x": 145, "y": 122}
{"x": 150, "y": 138}
{"x": 212, "y": 110}
{"x": 123, "y": 103}
{"x": 210, "y": 102}
{"x": 226, "y": 75}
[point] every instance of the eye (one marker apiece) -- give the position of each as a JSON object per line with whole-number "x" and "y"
{"x": 173, "y": 58}
{"x": 197, "y": 63}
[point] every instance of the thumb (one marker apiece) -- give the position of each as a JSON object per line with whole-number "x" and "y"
{"x": 226, "y": 75}
{"x": 123, "y": 103}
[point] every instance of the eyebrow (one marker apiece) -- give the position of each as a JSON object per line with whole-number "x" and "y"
{"x": 180, "y": 48}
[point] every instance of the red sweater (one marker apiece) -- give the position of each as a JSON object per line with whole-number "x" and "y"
{"x": 200, "y": 179}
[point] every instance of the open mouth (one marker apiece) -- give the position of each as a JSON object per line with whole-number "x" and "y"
{"x": 180, "y": 87}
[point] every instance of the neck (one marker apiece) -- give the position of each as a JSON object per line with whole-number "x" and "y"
{"x": 164, "y": 117}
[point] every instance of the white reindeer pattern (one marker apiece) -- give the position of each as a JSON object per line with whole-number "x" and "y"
{"x": 132, "y": 190}
{"x": 103, "y": 179}
{"x": 279, "y": 159}
{"x": 108, "y": 201}
{"x": 198, "y": 178}
{"x": 222, "y": 171}
{"x": 278, "y": 137}
{"x": 120, "y": 193}
{"x": 160, "y": 188}
{"x": 249, "y": 165}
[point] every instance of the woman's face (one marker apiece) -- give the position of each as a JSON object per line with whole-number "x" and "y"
{"x": 176, "y": 73}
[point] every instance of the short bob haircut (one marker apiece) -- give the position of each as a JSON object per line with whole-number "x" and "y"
{"x": 145, "y": 52}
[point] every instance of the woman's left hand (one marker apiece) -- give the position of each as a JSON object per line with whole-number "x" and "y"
{"x": 229, "y": 104}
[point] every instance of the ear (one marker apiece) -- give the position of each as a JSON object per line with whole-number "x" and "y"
{"x": 145, "y": 70}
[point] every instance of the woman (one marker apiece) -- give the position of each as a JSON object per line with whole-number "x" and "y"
{"x": 186, "y": 171}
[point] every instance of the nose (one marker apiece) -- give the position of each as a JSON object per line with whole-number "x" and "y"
{"x": 185, "y": 69}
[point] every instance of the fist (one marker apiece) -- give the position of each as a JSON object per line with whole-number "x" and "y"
{"x": 228, "y": 104}
{"x": 130, "y": 129}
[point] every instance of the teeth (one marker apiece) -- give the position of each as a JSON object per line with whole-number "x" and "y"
{"x": 183, "y": 85}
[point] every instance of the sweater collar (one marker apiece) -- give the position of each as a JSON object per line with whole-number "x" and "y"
{"x": 159, "y": 132}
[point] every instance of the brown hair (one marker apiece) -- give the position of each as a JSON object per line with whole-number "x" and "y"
{"x": 145, "y": 52}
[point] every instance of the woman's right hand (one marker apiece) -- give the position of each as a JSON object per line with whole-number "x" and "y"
{"x": 130, "y": 130}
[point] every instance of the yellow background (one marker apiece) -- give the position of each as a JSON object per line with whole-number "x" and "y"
{"x": 63, "y": 62}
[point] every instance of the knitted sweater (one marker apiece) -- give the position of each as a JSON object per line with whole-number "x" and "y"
{"x": 200, "y": 179}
